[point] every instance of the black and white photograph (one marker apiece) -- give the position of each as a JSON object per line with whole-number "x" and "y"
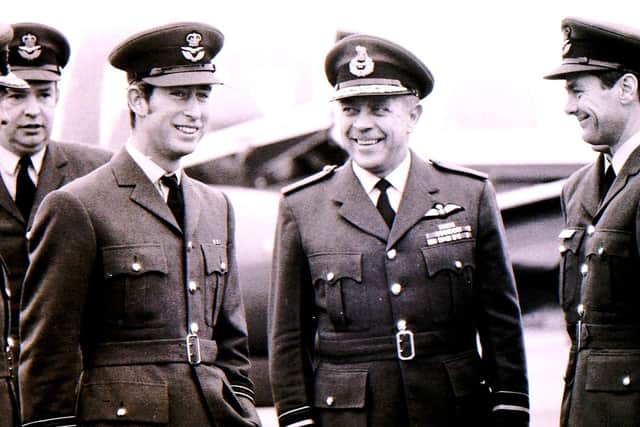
{"x": 332, "y": 213}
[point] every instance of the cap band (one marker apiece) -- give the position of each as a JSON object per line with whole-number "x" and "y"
{"x": 370, "y": 87}
{"x": 595, "y": 62}
{"x": 47, "y": 67}
{"x": 157, "y": 71}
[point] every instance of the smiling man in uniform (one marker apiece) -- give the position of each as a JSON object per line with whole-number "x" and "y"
{"x": 135, "y": 267}
{"x": 600, "y": 244}
{"x": 388, "y": 267}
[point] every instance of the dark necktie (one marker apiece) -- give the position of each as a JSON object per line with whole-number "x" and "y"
{"x": 383, "y": 205}
{"x": 609, "y": 177}
{"x": 25, "y": 188}
{"x": 174, "y": 200}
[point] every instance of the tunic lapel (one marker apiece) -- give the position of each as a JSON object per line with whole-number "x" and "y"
{"x": 631, "y": 167}
{"x": 192, "y": 207}
{"x": 8, "y": 204}
{"x": 52, "y": 175}
{"x": 128, "y": 174}
{"x": 354, "y": 204}
{"x": 418, "y": 196}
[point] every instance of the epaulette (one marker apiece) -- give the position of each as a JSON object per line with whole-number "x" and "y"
{"x": 305, "y": 182}
{"x": 459, "y": 169}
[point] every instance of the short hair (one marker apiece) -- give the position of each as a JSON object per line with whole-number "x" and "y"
{"x": 147, "y": 90}
{"x": 609, "y": 78}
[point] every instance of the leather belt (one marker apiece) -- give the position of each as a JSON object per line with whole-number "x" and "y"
{"x": 192, "y": 350}
{"x": 595, "y": 336}
{"x": 405, "y": 345}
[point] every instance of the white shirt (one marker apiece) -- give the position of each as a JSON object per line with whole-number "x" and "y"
{"x": 622, "y": 154}
{"x": 152, "y": 170}
{"x": 9, "y": 168}
{"x": 397, "y": 178}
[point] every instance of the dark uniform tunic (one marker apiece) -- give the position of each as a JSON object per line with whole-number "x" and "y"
{"x": 144, "y": 323}
{"x": 599, "y": 292}
{"x": 63, "y": 162}
{"x": 9, "y": 415}
{"x": 377, "y": 327}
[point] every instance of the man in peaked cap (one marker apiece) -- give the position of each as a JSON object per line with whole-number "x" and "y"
{"x": 600, "y": 243}
{"x": 387, "y": 268}
{"x": 8, "y": 398}
{"x": 31, "y": 164}
{"x": 145, "y": 298}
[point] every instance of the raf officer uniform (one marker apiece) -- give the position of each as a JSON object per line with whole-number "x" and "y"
{"x": 149, "y": 306}
{"x": 8, "y": 397}
{"x": 375, "y": 325}
{"x": 36, "y": 53}
{"x": 600, "y": 249}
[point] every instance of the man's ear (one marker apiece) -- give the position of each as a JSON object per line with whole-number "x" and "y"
{"x": 628, "y": 85}
{"x": 138, "y": 103}
{"x": 414, "y": 116}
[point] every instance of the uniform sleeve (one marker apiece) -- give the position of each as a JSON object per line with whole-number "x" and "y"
{"x": 291, "y": 328}
{"x": 231, "y": 328}
{"x": 498, "y": 318}
{"x": 62, "y": 252}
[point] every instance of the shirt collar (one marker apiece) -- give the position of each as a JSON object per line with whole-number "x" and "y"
{"x": 397, "y": 177}
{"x": 9, "y": 160}
{"x": 150, "y": 168}
{"x": 622, "y": 154}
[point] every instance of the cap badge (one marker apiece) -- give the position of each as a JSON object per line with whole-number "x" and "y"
{"x": 194, "y": 52}
{"x": 30, "y": 50}
{"x": 361, "y": 65}
{"x": 566, "y": 45}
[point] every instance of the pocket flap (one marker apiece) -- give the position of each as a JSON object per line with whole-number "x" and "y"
{"x": 215, "y": 258}
{"x": 340, "y": 389}
{"x": 464, "y": 374}
{"x": 336, "y": 266}
{"x": 570, "y": 239}
{"x": 130, "y": 402}
{"x": 134, "y": 259}
{"x": 450, "y": 256}
{"x": 613, "y": 372}
{"x": 616, "y": 243}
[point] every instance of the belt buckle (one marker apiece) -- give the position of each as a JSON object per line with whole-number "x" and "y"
{"x": 193, "y": 349}
{"x": 405, "y": 346}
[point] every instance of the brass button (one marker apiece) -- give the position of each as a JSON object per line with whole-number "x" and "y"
{"x": 223, "y": 266}
{"x": 580, "y": 310}
{"x": 28, "y": 235}
{"x": 194, "y": 328}
{"x": 330, "y": 276}
{"x": 562, "y": 249}
{"x": 193, "y": 286}
{"x": 330, "y": 400}
{"x": 396, "y": 288}
{"x": 590, "y": 230}
{"x": 401, "y": 324}
{"x": 626, "y": 381}
{"x": 391, "y": 253}
{"x": 458, "y": 264}
{"x": 601, "y": 251}
{"x": 584, "y": 269}
{"x": 189, "y": 245}
{"x": 8, "y": 291}
{"x": 136, "y": 267}
{"x": 121, "y": 411}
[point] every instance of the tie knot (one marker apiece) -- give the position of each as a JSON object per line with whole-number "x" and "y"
{"x": 382, "y": 185}
{"x": 25, "y": 161}
{"x": 170, "y": 181}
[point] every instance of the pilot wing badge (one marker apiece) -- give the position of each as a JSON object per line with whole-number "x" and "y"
{"x": 440, "y": 210}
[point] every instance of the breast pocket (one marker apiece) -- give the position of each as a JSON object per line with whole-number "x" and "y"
{"x": 216, "y": 271}
{"x": 337, "y": 278}
{"x": 450, "y": 269}
{"x": 570, "y": 241}
{"x": 136, "y": 278}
